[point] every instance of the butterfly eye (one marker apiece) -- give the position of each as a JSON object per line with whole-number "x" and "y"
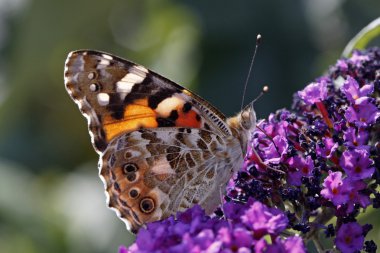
{"x": 147, "y": 205}
{"x": 94, "y": 87}
{"x": 130, "y": 167}
{"x": 133, "y": 193}
{"x": 247, "y": 118}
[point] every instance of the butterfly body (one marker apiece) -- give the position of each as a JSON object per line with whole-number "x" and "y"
{"x": 162, "y": 148}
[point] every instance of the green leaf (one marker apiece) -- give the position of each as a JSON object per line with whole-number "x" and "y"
{"x": 365, "y": 36}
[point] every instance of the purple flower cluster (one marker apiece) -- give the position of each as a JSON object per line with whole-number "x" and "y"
{"x": 303, "y": 167}
{"x": 245, "y": 229}
{"x": 321, "y": 160}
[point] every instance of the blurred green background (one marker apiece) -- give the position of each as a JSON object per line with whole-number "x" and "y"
{"x": 51, "y": 199}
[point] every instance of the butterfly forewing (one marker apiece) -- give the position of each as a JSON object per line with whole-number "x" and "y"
{"x": 118, "y": 96}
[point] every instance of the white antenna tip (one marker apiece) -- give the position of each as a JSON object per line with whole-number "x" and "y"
{"x": 258, "y": 38}
{"x": 265, "y": 89}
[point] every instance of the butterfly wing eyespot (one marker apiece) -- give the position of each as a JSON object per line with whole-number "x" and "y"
{"x": 133, "y": 193}
{"x": 131, "y": 177}
{"x": 130, "y": 167}
{"x": 147, "y": 205}
{"x": 130, "y": 171}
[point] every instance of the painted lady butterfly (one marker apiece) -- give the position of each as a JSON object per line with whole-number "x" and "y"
{"x": 162, "y": 148}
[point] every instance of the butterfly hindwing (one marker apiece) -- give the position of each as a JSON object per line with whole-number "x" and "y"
{"x": 150, "y": 174}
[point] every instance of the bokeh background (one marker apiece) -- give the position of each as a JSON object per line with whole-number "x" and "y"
{"x": 51, "y": 199}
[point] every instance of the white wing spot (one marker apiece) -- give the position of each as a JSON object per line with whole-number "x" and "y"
{"x": 165, "y": 107}
{"x": 108, "y": 57}
{"x": 143, "y": 69}
{"x": 126, "y": 84}
{"x": 93, "y": 87}
{"x": 133, "y": 78}
{"x": 124, "y": 87}
{"x": 91, "y": 75}
{"x": 103, "y": 99}
{"x": 103, "y": 63}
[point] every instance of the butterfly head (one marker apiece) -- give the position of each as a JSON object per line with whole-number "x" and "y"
{"x": 244, "y": 123}
{"x": 247, "y": 118}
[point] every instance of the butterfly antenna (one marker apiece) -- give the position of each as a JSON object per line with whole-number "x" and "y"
{"x": 258, "y": 40}
{"x": 263, "y": 91}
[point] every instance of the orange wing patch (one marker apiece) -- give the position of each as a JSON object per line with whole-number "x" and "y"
{"x": 188, "y": 119}
{"x": 179, "y": 112}
{"x": 136, "y": 115}
{"x": 170, "y": 112}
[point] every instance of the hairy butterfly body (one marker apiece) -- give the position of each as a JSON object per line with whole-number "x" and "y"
{"x": 162, "y": 148}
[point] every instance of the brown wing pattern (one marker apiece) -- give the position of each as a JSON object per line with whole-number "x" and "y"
{"x": 150, "y": 174}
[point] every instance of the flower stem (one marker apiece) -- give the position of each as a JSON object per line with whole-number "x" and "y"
{"x": 318, "y": 245}
{"x": 325, "y": 114}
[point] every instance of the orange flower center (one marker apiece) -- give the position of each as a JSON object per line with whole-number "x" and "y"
{"x": 305, "y": 170}
{"x": 347, "y": 239}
